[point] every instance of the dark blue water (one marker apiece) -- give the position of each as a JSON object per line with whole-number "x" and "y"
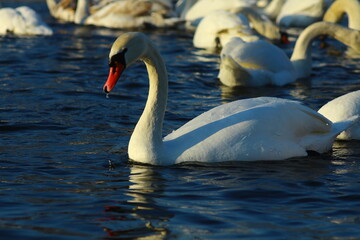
{"x": 64, "y": 171}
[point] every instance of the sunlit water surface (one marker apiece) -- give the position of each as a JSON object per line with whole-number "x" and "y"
{"x": 64, "y": 171}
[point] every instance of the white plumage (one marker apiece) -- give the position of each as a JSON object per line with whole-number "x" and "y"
{"x": 22, "y": 21}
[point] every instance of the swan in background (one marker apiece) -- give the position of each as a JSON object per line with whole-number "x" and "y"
{"x": 22, "y": 21}
{"x": 263, "y": 128}
{"x": 123, "y": 14}
{"x": 183, "y": 6}
{"x": 337, "y": 10}
{"x": 273, "y": 9}
{"x": 260, "y": 63}
{"x": 295, "y": 13}
{"x": 218, "y": 27}
{"x": 201, "y": 8}
{"x": 64, "y": 10}
{"x": 254, "y": 64}
{"x": 115, "y": 14}
{"x": 341, "y": 108}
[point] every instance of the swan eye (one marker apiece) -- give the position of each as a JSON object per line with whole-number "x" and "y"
{"x": 118, "y": 58}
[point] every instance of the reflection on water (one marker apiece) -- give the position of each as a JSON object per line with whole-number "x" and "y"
{"x": 142, "y": 214}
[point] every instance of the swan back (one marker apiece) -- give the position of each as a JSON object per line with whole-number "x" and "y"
{"x": 214, "y": 24}
{"x": 203, "y": 7}
{"x": 251, "y": 129}
{"x": 256, "y": 63}
{"x": 295, "y": 13}
{"x": 343, "y": 108}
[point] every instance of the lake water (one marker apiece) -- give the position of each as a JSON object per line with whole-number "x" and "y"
{"x": 64, "y": 171}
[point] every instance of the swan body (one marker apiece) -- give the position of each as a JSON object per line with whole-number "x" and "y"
{"x": 295, "y": 13}
{"x": 273, "y": 9}
{"x": 22, "y": 21}
{"x": 262, "y": 128}
{"x": 116, "y": 14}
{"x": 123, "y": 14}
{"x": 201, "y": 8}
{"x": 218, "y": 27}
{"x": 254, "y": 64}
{"x": 260, "y": 63}
{"x": 64, "y": 10}
{"x": 341, "y": 108}
{"x": 340, "y": 7}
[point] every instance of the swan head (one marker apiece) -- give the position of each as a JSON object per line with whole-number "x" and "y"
{"x": 126, "y": 49}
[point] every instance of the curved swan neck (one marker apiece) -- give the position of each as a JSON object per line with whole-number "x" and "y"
{"x": 146, "y": 140}
{"x": 301, "y": 57}
{"x": 340, "y": 7}
{"x": 82, "y": 11}
{"x": 273, "y": 8}
{"x": 52, "y": 6}
{"x": 261, "y": 24}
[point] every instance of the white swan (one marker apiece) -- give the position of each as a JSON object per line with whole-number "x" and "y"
{"x": 115, "y": 14}
{"x": 340, "y": 7}
{"x": 218, "y": 27}
{"x": 201, "y": 8}
{"x": 273, "y": 9}
{"x": 64, "y": 10}
{"x": 183, "y": 6}
{"x": 341, "y": 108}
{"x": 22, "y": 21}
{"x": 295, "y": 13}
{"x": 262, "y": 128}
{"x": 254, "y": 64}
{"x": 260, "y": 63}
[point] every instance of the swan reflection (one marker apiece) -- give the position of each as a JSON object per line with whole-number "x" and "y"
{"x": 140, "y": 215}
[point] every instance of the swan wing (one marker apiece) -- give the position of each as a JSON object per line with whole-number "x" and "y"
{"x": 262, "y": 128}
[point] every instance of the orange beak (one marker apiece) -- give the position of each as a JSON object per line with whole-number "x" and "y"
{"x": 114, "y": 75}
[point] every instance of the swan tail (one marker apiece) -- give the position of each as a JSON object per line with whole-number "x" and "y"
{"x": 282, "y": 78}
{"x": 341, "y": 127}
{"x": 322, "y": 142}
{"x": 231, "y": 73}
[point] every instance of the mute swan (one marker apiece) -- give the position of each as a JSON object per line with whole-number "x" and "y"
{"x": 65, "y": 10}
{"x": 115, "y": 14}
{"x": 341, "y": 108}
{"x": 295, "y": 13}
{"x": 260, "y": 63}
{"x": 218, "y": 27}
{"x": 183, "y": 6}
{"x": 22, "y": 21}
{"x": 273, "y": 9}
{"x": 203, "y": 7}
{"x": 262, "y": 128}
{"x": 340, "y": 7}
